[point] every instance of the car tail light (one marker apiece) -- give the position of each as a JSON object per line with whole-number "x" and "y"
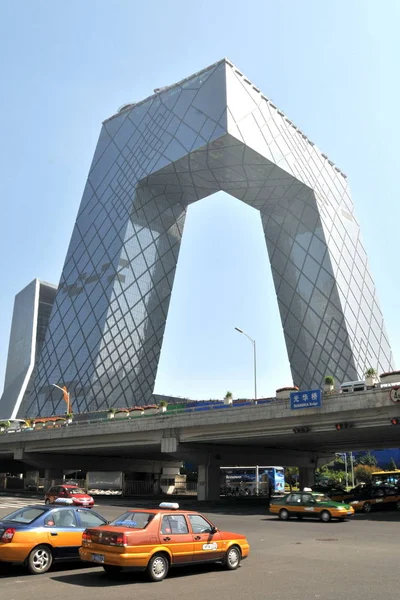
{"x": 119, "y": 539}
{"x": 8, "y": 535}
{"x": 86, "y": 536}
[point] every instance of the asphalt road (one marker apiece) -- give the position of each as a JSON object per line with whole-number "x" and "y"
{"x": 303, "y": 560}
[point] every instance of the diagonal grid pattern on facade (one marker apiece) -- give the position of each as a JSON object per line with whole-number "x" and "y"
{"x": 212, "y": 132}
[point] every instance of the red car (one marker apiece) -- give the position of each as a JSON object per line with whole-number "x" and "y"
{"x": 72, "y": 494}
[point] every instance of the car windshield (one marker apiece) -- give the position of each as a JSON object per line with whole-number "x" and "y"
{"x": 25, "y": 515}
{"x": 321, "y": 498}
{"x": 134, "y": 520}
{"x": 75, "y": 490}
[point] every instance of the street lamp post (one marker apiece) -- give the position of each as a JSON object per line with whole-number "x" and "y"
{"x": 254, "y": 359}
{"x": 66, "y": 396}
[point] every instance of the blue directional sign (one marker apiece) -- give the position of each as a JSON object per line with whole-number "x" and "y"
{"x": 309, "y": 399}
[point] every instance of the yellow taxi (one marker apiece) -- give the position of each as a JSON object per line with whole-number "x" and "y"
{"x": 37, "y": 535}
{"x": 373, "y": 497}
{"x": 153, "y": 540}
{"x": 310, "y": 504}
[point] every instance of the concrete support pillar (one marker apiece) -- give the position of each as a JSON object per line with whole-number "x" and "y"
{"x": 32, "y": 479}
{"x": 306, "y": 477}
{"x": 209, "y": 481}
{"x": 52, "y": 477}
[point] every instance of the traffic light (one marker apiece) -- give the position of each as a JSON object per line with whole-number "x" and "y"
{"x": 395, "y": 421}
{"x": 301, "y": 429}
{"x": 340, "y": 426}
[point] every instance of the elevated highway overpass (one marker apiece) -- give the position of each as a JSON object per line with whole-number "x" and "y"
{"x": 259, "y": 434}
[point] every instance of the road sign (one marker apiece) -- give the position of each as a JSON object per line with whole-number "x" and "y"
{"x": 309, "y": 399}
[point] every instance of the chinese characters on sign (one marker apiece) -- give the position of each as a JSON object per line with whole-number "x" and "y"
{"x": 309, "y": 399}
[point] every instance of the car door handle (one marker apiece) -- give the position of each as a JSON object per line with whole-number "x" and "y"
{"x": 53, "y": 533}
{"x": 166, "y": 539}
{"x": 197, "y": 537}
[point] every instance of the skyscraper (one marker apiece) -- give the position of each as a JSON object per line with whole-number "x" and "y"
{"x": 32, "y": 309}
{"x": 210, "y": 132}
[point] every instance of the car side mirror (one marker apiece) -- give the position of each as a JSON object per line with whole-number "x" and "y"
{"x": 213, "y": 529}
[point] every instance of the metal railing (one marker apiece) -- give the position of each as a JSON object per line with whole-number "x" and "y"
{"x": 171, "y": 411}
{"x": 139, "y": 488}
{"x": 188, "y": 488}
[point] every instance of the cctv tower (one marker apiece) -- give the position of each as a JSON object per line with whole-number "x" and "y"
{"x": 210, "y": 132}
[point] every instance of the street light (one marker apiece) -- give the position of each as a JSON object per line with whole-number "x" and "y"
{"x": 255, "y": 360}
{"x": 66, "y": 395}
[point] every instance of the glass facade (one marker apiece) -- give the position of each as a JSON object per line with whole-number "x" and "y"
{"x": 31, "y": 315}
{"x": 213, "y": 131}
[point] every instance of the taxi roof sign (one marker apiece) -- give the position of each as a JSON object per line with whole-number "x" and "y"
{"x": 170, "y": 505}
{"x": 63, "y": 501}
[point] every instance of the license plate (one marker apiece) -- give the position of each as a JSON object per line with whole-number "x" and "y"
{"x": 98, "y": 558}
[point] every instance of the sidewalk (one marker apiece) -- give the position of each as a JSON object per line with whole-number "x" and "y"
{"x": 186, "y": 502}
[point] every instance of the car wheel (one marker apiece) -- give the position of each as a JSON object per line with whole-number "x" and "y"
{"x": 47, "y": 501}
{"x": 40, "y": 560}
{"x": 398, "y": 505}
{"x": 325, "y": 516}
{"x": 112, "y": 569}
{"x": 157, "y": 568}
{"x": 284, "y": 514}
{"x": 367, "y": 507}
{"x": 232, "y": 558}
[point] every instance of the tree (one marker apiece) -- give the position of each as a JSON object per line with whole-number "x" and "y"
{"x": 329, "y": 476}
{"x": 363, "y": 473}
{"x": 392, "y": 465}
{"x": 291, "y": 476}
{"x": 367, "y": 459}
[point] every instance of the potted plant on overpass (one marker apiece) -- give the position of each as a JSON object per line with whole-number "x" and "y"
{"x": 163, "y": 406}
{"x": 329, "y": 384}
{"x": 371, "y": 377}
{"x": 390, "y": 377}
{"x": 228, "y": 398}
{"x": 121, "y": 413}
{"x": 111, "y": 413}
{"x": 283, "y": 393}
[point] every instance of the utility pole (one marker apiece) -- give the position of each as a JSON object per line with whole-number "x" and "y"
{"x": 352, "y": 468}
{"x": 345, "y": 466}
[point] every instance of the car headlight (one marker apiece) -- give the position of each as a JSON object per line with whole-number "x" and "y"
{"x": 342, "y": 508}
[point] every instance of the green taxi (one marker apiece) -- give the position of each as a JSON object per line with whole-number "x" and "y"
{"x": 310, "y": 504}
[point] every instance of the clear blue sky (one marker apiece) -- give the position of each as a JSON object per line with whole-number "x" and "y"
{"x": 66, "y": 66}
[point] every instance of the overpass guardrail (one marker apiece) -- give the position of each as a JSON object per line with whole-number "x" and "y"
{"x": 51, "y": 423}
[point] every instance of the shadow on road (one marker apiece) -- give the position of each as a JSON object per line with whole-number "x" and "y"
{"x": 392, "y": 516}
{"x": 306, "y": 521}
{"x": 101, "y": 579}
{"x": 16, "y": 570}
{"x": 383, "y": 516}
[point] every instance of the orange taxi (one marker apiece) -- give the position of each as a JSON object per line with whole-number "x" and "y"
{"x": 153, "y": 540}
